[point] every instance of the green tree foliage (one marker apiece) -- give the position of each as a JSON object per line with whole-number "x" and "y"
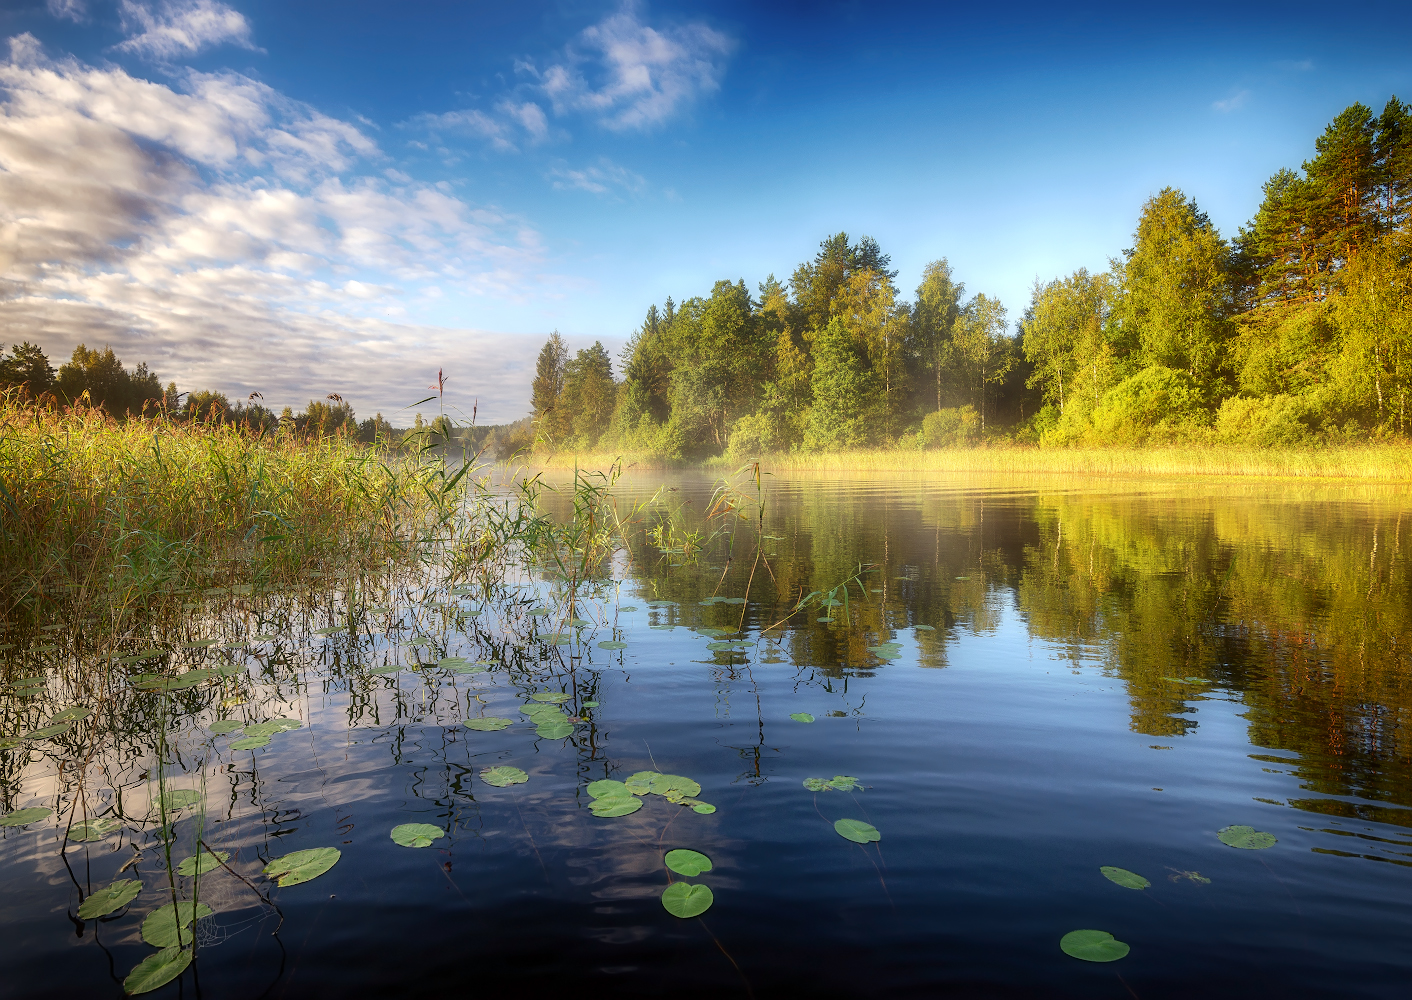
{"x": 846, "y": 392}
{"x": 99, "y": 378}
{"x": 983, "y": 355}
{"x": 26, "y": 368}
{"x": 1066, "y": 330}
{"x": 934, "y": 318}
{"x": 589, "y": 395}
{"x": 551, "y": 420}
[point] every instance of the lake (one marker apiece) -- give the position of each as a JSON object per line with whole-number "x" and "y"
{"x": 998, "y": 688}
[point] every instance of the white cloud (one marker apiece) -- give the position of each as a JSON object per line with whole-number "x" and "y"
{"x": 633, "y": 76}
{"x": 177, "y": 28}
{"x": 69, "y": 10}
{"x": 1233, "y": 103}
{"x": 598, "y": 178}
{"x": 239, "y": 240}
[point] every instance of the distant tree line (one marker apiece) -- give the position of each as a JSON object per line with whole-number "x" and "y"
{"x": 1298, "y": 330}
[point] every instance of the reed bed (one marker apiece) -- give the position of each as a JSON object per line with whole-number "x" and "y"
{"x": 1389, "y": 463}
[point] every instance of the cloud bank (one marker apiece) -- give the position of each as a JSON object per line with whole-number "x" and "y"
{"x": 239, "y": 240}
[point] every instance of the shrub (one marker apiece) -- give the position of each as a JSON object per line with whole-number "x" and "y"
{"x": 956, "y": 427}
{"x": 1268, "y": 421}
{"x": 1157, "y": 404}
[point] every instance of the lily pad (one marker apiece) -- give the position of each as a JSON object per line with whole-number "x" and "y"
{"x": 250, "y": 743}
{"x": 10, "y": 742}
{"x": 816, "y": 784}
{"x": 722, "y": 647}
{"x": 551, "y": 697}
{"x": 160, "y": 928}
{"x": 76, "y": 713}
{"x": 89, "y": 830}
{"x": 1093, "y": 946}
{"x": 272, "y": 726}
{"x": 23, "y": 817}
{"x": 857, "y": 831}
{"x": 554, "y": 730}
{"x": 538, "y": 612}
{"x": 685, "y": 901}
{"x": 1125, "y": 878}
{"x": 157, "y": 970}
{"x": 223, "y": 726}
{"x": 502, "y": 776}
{"x": 489, "y": 724}
{"x": 801, "y": 716}
{"x": 688, "y": 863}
{"x": 925, "y": 628}
{"x": 615, "y": 805}
{"x": 303, "y": 866}
{"x": 391, "y": 669}
{"x": 180, "y": 798}
{"x": 50, "y": 731}
{"x": 663, "y": 604}
{"x": 416, "y": 834}
{"x": 612, "y": 644}
{"x": 704, "y": 808}
{"x": 1246, "y": 838}
{"x": 607, "y": 788}
{"x": 666, "y": 784}
{"x": 886, "y": 650}
{"x": 200, "y": 864}
{"x": 110, "y": 898}
{"x": 590, "y": 704}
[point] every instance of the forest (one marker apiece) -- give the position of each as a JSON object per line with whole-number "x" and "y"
{"x": 1295, "y": 331}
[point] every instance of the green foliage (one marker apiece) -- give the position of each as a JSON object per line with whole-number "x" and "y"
{"x": 845, "y": 391}
{"x": 27, "y": 369}
{"x": 955, "y": 427}
{"x": 99, "y": 378}
{"x": 1265, "y": 422}
{"x": 1156, "y": 404}
{"x": 1093, "y": 946}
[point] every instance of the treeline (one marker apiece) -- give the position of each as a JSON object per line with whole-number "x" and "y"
{"x": 1298, "y": 330}
{"x": 98, "y": 379}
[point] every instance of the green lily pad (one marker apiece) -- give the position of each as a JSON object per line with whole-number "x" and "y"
{"x": 1246, "y": 838}
{"x": 502, "y": 776}
{"x": 160, "y": 928}
{"x": 223, "y": 726}
{"x": 489, "y": 724}
{"x": 416, "y": 834}
{"x": 606, "y": 788}
{"x": 89, "y": 830}
{"x": 683, "y": 900}
{"x": 1125, "y": 878}
{"x": 612, "y": 644}
{"x": 1093, "y": 946}
{"x": 200, "y": 864}
{"x": 817, "y": 785}
{"x": 391, "y": 669}
{"x": 801, "y": 716}
{"x": 551, "y": 697}
{"x": 663, "y": 604}
{"x": 615, "y": 805}
{"x": 77, "y": 713}
{"x": 204, "y": 643}
{"x": 157, "y": 970}
{"x": 733, "y": 647}
{"x": 250, "y": 743}
{"x": 110, "y": 898}
{"x": 590, "y": 704}
{"x": 180, "y": 798}
{"x": 886, "y": 650}
{"x": 688, "y": 863}
{"x": 857, "y": 831}
{"x": 303, "y": 866}
{"x": 845, "y": 783}
{"x": 556, "y": 639}
{"x": 666, "y": 784}
{"x": 554, "y": 730}
{"x": 538, "y": 612}
{"x": 704, "y": 808}
{"x": 272, "y": 726}
{"x": 711, "y": 600}
{"x": 49, "y": 731}
{"x": 23, "y": 817}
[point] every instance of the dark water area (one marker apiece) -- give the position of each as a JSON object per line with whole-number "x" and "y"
{"x": 1103, "y": 674}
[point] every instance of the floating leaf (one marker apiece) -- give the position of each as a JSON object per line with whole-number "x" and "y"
{"x": 502, "y": 776}
{"x": 886, "y": 650}
{"x": 75, "y": 714}
{"x": 1246, "y": 838}
{"x": 612, "y": 644}
{"x": 48, "y": 731}
{"x": 538, "y": 612}
{"x": 641, "y": 782}
{"x": 845, "y": 783}
{"x": 688, "y": 863}
{"x": 223, "y": 726}
{"x": 816, "y": 784}
{"x": 663, "y": 604}
{"x": 89, "y": 830}
{"x": 721, "y": 647}
{"x": 626, "y": 608}
{"x": 925, "y": 628}
{"x": 180, "y": 798}
{"x": 801, "y": 716}
{"x": 157, "y": 970}
{"x": 857, "y": 831}
{"x": 1192, "y": 876}
{"x": 1093, "y": 946}
{"x": 665, "y": 784}
{"x": 704, "y": 808}
{"x": 23, "y": 817}
{"x": 110, "y": 898}
{"x": 416, "y": 834}
{"x": 391, "y": 669}
{"x": 160, "y": 928}
{"x": 551, "y": 697}
{"x": 554, "y": 730}
{"x": 489, "y": 724}
{"x": 272, "y": 726}
{"x": 732, "y": 600}
{"x": 303, "y": 866}
{"x": 607, "y": 788}
{"x": 615, "y": 805}
{"x": 200, "y": 864}
{"x": 711, "y": 600}
{"x": 250, "y": 743}
{"x": 590, "y": 704}
{"x": 1125, "y": 878}
{"x": 683, "y": 900}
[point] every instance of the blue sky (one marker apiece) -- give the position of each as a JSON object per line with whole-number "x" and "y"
{"x": 298, "y": 198}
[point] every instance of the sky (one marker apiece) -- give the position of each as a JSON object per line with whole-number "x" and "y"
{"x": 313, "y": 197}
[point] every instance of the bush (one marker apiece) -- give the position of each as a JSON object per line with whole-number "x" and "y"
{"x": 957, "y": 427}
{"x": 753, "y": 435}
{"x": 1155, "y": 405}
{"x": 1266, "y": 422}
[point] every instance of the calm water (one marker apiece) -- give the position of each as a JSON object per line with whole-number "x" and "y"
{"x": 1083, "y": 676}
